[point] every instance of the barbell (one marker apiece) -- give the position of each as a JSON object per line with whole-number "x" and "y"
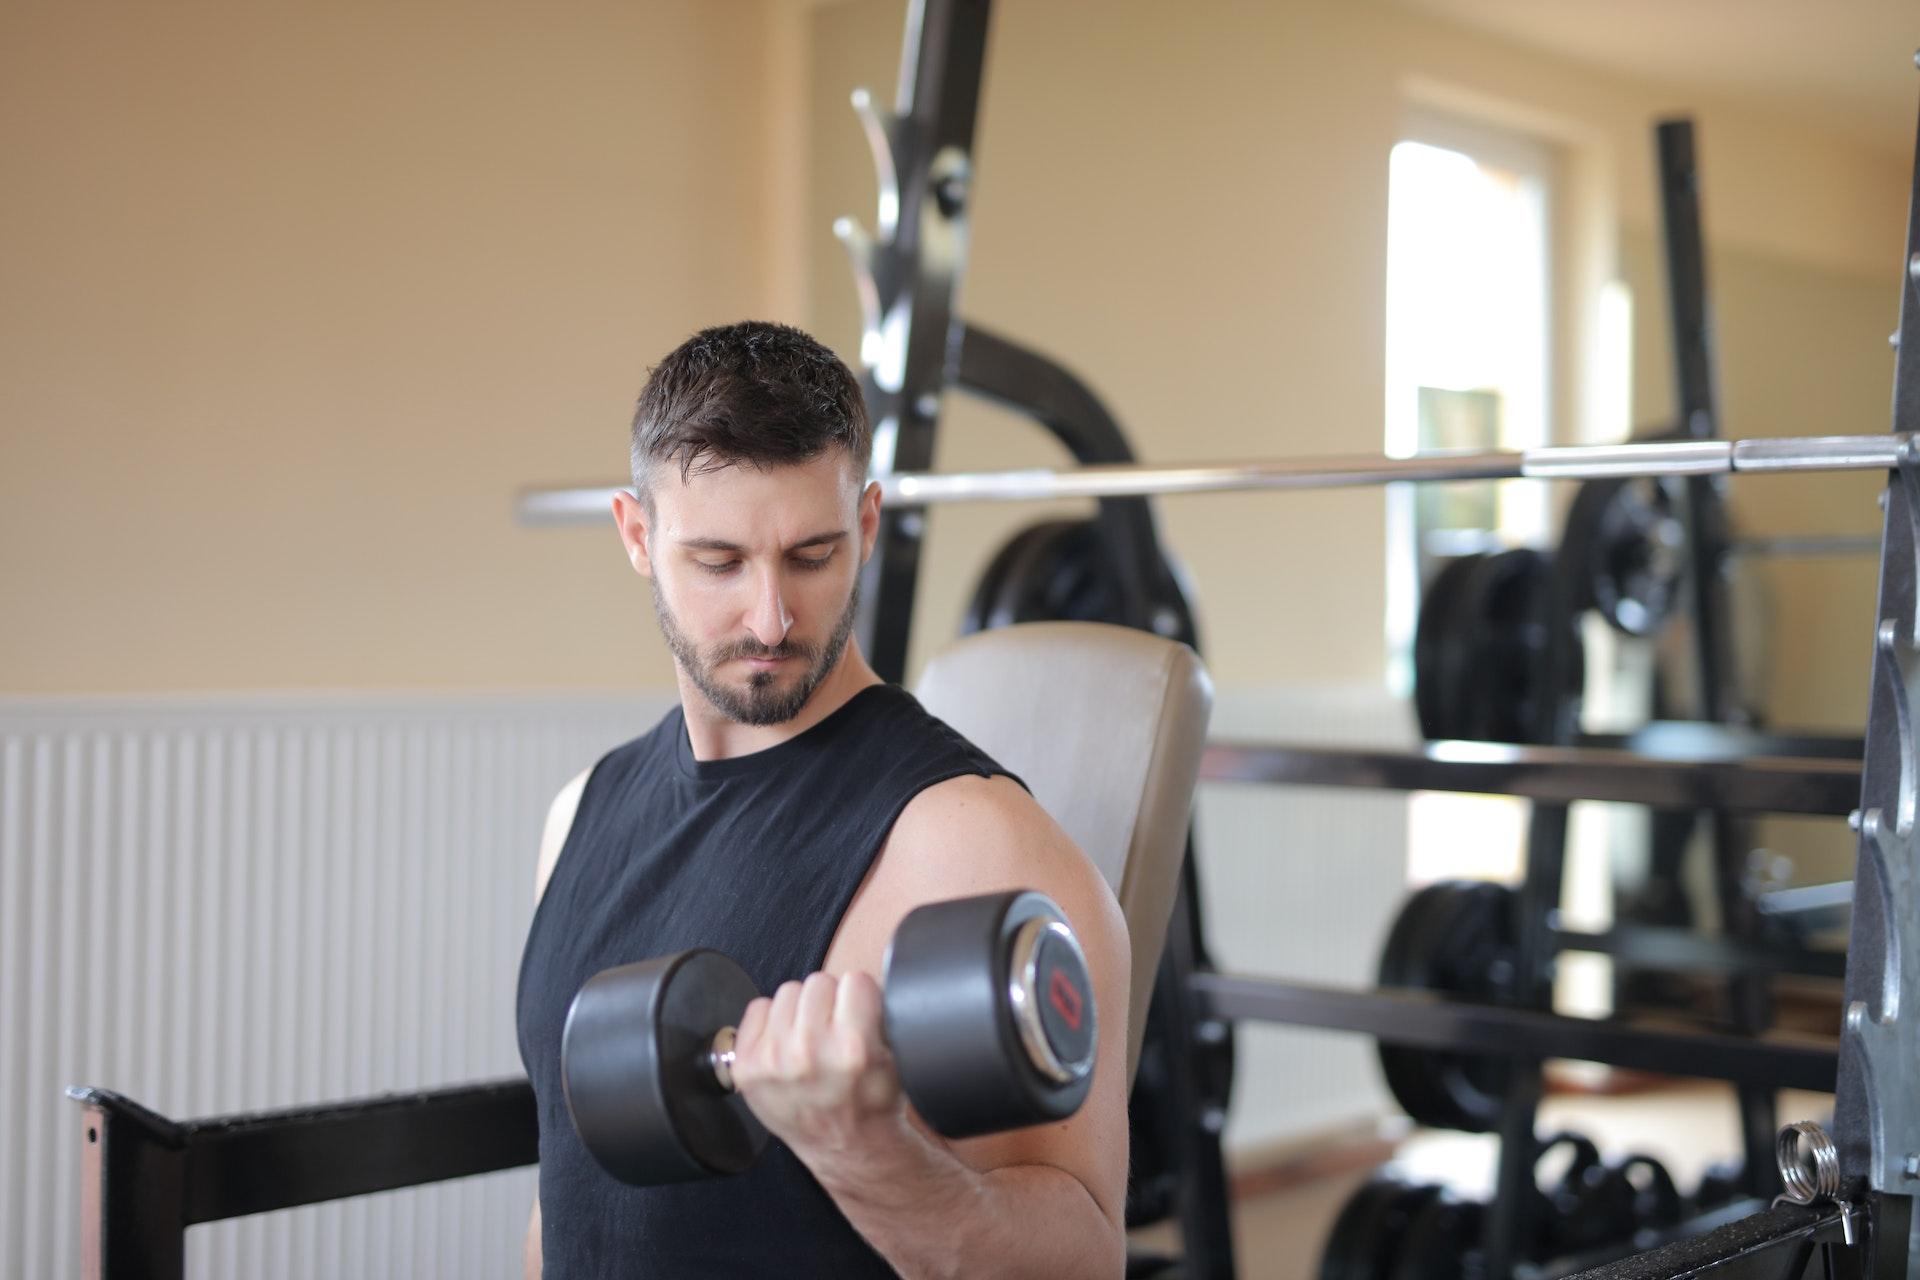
{"x": 1135, "y": 480}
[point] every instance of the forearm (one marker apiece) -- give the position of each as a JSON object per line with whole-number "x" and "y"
{"x": 930, "y": 1215}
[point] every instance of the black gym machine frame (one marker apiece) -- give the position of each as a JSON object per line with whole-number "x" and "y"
{"x": 147, "y": 1178}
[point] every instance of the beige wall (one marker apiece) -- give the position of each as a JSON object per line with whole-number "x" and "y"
{"x": 298, "y": 295}
{"x": 1191, "y": 212}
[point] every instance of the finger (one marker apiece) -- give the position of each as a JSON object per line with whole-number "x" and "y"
{"x": 786, "y": 1001}
{"x": 857, "y": 1007}
{"x": 753, "y": 1025}
{"x": 814, "y": 1012}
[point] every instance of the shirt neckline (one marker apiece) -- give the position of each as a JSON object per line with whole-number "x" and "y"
{"x": 769, "y": 757}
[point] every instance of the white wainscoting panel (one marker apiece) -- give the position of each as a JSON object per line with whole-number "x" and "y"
{"x": 1301, "y": 882}
{"x": 226, "y": 905}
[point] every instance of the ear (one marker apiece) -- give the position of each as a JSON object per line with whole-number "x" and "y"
{"x": 630, "y": 514}
{"x": 869, "y": 519}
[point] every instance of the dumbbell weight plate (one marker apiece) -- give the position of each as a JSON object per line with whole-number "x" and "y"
{"x": 1456, "y": 937}
{"x": 1441, "y": 1241}
{"x": 636, "y": 1061}
{"x": 1656, "y": 1200}
{"x": 990, "y": 1013}
{"x": 1367, "y": 1234}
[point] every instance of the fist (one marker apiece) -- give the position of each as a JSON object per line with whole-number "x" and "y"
{"x": 813, "y": 1066}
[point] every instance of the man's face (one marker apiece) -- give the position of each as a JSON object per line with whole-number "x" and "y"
{"x": 754, "y": 575}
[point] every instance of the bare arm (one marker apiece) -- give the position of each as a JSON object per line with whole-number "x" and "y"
{"x": 553, "y": 838}
{"x": 1046, "y": 1200}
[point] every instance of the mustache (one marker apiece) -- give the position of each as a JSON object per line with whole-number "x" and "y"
{"x": 754, "y": 649}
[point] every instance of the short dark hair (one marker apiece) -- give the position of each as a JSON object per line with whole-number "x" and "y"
{"x": 755, "y": 392}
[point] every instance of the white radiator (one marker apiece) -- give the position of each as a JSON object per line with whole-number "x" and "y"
{"x": 224, "y": 906}
{"x": 1301, "y": 882}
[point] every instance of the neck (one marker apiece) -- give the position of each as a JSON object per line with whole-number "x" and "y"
{"x": 714, "y": 737}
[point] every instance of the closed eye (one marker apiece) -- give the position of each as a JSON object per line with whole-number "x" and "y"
{"x": 811, "y": 563}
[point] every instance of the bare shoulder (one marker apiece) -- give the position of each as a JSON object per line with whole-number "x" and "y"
{"x": 553, "y": 837}
{"x": 973, "y": 835}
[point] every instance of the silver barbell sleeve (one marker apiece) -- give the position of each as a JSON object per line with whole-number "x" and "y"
{"x": 1551, "y": 462}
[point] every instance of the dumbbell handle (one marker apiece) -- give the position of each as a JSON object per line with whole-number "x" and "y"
{"x": 1022, "y": 995}
{"x": 721, "y": 1057}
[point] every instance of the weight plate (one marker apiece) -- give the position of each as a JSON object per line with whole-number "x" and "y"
{"x": 635, "y": 1064}
{"x": 1481, "y": 648}
{"x": 1656, "y": 1200}
{"x": 1455, "y": 937}
{"x": 1435, "y": 651}
{"x": 1441, "y": 1241}
{"x": 1626, "y": 549}
{"x": 1367, "y": 1234}
{"x": 1053, "y": 571}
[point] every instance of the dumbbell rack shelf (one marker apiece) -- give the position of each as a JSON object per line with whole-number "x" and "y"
{"x": 1429, "y": 1020}
{"x": 1778, "y": 784}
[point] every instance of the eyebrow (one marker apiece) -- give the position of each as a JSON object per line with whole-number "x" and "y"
{"x": 721, "y": 544}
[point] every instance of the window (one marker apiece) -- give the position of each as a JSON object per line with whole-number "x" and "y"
{"x": 1467, "y": 368}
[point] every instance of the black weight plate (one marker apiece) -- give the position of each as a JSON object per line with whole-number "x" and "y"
{"x": 1503, "y": 615}
{"x": 1053, "y": 571}
{"x": 1180, "y": 1040}
{"x": 1722, "y": 1183}
{"x": 1626, "y": 548}
{"x": 1435, "y": 647}
{"x": 638, "y": 1078}
{"x": 1441, "y": 1241}
{"x": 1420, "y": 927}
{"x": 1366, "y": 1235}
{"x": 1656, "y": 1200}
{"x": 1589, "y": 1206}
{"x": 1454, "y": 937}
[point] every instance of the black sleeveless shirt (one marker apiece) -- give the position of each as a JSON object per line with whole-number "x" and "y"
{"x": 757, "y": 856}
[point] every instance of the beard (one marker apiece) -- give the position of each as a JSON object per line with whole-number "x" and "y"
{"x": 763, "y": 701}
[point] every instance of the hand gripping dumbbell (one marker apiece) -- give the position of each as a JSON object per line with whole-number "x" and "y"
{"x": 989, "y": 1015}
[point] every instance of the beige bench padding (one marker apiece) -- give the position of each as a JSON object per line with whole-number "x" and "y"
{"x": 1105, "y": 725}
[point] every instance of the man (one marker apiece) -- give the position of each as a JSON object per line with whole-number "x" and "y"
{"x": 790, "y": 812}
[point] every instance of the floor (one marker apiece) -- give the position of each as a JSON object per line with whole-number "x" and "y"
{"x": 1278, "y": 1232}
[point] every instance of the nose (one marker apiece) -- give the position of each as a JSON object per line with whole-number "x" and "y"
{"x": 768, "y": 620}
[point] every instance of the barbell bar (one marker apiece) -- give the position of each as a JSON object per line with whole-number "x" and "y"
{"x": 1130, "y": 480}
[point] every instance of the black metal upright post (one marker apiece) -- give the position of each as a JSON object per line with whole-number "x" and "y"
{"x": 908, "y": 273}
{"x": 1711, "y": 614}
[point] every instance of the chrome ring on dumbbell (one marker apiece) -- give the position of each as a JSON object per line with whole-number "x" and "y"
{"x": 1025, "y": 999}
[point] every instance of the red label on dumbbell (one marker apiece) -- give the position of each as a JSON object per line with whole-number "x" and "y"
{"x": 1065, "y": 997}
{"x": 1065, "y": 1000}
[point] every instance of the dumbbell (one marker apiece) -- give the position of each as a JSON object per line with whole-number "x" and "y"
{"x": 989, "y": 1015}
